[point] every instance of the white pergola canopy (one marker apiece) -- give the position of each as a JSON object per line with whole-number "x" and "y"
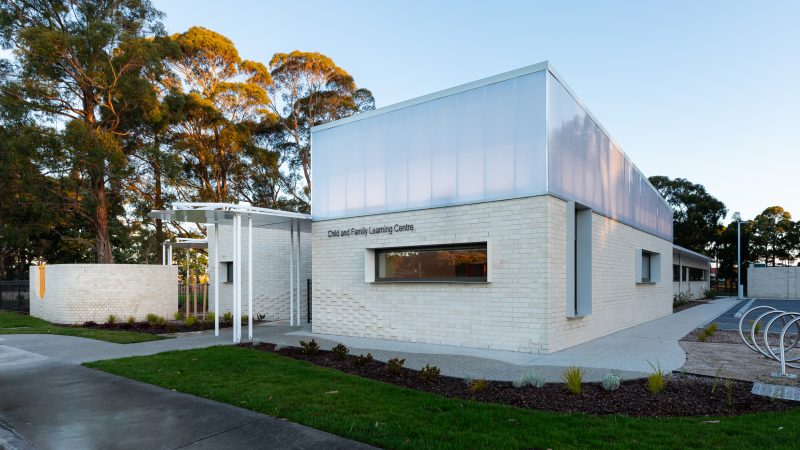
{"x": 215, "y": 214}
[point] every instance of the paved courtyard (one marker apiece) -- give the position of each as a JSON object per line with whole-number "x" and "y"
{"x": 730, "y": 319}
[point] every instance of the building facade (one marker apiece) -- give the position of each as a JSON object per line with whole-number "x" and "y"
{"x": 690, "y": 272}
{"x": 497, "y": 214}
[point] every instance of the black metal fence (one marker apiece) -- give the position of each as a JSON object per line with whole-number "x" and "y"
{"x": 15, "y": 295}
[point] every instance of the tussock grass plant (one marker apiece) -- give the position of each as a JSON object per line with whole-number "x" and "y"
{"x": 657, "y": 380}
{"x": 573, "y": 379}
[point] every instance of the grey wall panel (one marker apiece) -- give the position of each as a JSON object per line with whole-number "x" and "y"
{"x": 586, "y": 166}
{"x": 481, "y": 144}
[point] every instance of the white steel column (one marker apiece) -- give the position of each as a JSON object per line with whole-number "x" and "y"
{"x": 216, "y": 279}
{"x": 237, "y": 274}
{"x": 163, "y": 254}
{"x": 238, "y": 318}
{"x": 169, "y": 252}
{"x": 297, "y": 263}
{"x": 291, "y": 272}
{"x": 249, "y": 277}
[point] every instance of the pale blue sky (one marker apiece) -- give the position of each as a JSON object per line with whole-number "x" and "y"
{"x": 702, "y": 90}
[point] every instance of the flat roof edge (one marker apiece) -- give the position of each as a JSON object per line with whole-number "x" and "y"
{"x": 544, "y": 65}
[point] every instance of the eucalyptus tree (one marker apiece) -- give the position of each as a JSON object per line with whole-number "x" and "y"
{"x": 224, "y": 101}
{"x": 697, "y": 215}
{"x": 78, "y": 65}
{"x": 775, "y": 236}
{"x": 308, "y": 89}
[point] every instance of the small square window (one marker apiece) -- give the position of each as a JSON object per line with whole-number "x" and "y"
{"x": 646, "y": 266}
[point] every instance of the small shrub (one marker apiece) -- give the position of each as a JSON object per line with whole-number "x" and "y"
{"x": 682, "y": 298}
{"x": 528, "y": 379}
{"x": 178, "y": 315}
{"x": 227, "y": 318}
{"x": 260, "y": 316}
{"x": 478, "y": 385}
{"x": 758, "y": 327}
{"x": 131, "y": 320}
{"x": 573, "y": 378}
{"x": 657, "y": 380}
{"x": 310, "y": 347}
{"x": 362, "y": 360}
{"x": 152, "y": 319}
{"x": 710, "y": 329}
{"x": 429, "y": 374}
{"x": 395, "y": 365}
{"x": 708, "y": 294}
{"x": 702, "y": 337}
{"x": 190, "y": 321}
{"x": 210, "y": 316}
{"x": 340, "y": 351}
{"x": 244, "y": 318}
{"x": 161, "y": 321}
{"x": 112, "y": 319}
{"x": 611, "y": 381}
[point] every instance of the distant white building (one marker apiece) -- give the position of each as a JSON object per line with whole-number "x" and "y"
{"x": 690, "y": 272}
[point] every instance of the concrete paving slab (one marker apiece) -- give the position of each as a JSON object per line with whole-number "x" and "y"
{"x": 57, "y": 405}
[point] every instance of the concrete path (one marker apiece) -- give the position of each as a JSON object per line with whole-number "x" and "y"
{"x": 629, "y": 352}
{"x": 51, "y": 402}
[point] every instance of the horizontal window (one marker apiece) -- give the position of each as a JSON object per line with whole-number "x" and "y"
{"x": 464, "y": 262}
{"x": 697, "y": 274}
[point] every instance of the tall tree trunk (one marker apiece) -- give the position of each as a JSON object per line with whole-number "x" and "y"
{"x": 102, "y": 241}
{"x": 159, "y": 204}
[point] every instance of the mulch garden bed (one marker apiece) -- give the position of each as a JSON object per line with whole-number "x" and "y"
{"x": 687, "y": 305}
{"x": 731, "y": 337}
{"x": 683, "y": 395}
{"x": 170, "y": 326}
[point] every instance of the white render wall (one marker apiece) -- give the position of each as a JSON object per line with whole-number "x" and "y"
{"x": 78, "y": 293}
{"x": 773, "y": 282}
{"x": 270, "y": 271}
{"x": 523, "y": 308}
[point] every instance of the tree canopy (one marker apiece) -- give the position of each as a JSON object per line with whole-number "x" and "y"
{"x": 104, "y": 117}
{"x": 696, "y": 214}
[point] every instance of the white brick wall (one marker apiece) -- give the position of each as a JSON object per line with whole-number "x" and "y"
{"x": 773, "y": 282}
{"x": 524, "y": 306}
{"x": 618, "y": 302}
{"x": 270, "y": 271}
{"x": 77, "y": 293}
{"x": 509, "y": 313}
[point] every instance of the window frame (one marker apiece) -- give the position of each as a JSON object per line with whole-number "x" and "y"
{"x": 459, "y": 246}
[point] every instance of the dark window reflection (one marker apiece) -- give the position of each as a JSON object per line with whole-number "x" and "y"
{"x": 447, "y": 263}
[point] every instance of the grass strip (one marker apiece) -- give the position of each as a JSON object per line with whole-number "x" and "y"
{"x": 16, "y": 323}
{"x": 394, "y": 417}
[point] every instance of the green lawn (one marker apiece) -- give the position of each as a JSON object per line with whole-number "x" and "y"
{"x": 16, "y": 323}
{"x": 393, "y": 417}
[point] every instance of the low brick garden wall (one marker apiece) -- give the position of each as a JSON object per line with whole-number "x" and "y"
{"x": 78, "y": 293}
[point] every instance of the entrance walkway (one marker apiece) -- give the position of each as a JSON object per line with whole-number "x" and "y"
{"x": 54, "y": 403}
{"x": 629, "y": 352}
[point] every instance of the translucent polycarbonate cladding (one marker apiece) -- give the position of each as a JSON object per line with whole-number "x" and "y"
{"x": 481, "y": 144}
{"x": 584, "y": 165}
